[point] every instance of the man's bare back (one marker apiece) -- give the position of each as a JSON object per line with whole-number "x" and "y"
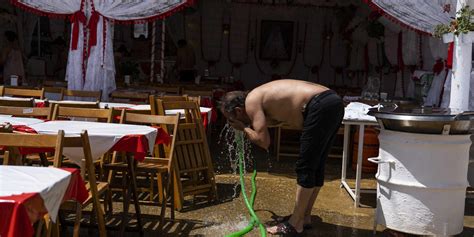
{"x": 282, "y": 101}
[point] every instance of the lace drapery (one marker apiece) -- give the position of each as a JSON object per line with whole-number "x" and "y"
{"x": 419, "y": 15}
{"x": 90, "y": 61}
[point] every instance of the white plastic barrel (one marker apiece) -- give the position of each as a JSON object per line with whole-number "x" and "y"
{"x": 422, "y": 180}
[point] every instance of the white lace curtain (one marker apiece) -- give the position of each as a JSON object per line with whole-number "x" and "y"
{"x": 90, "y": 61}
{"x": 421, "y": 15}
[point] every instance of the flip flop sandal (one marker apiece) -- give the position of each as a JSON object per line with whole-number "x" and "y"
{"x": 287, "y": 230}
{"x": 287, "y": 218}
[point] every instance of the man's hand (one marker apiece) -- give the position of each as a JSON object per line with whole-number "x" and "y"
{"x": 236, "y": 124}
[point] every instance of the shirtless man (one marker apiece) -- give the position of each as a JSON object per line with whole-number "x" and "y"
{"x": 312, "y": 108}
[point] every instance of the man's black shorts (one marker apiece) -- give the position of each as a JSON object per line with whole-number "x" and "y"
{"x": 322, "y": 116}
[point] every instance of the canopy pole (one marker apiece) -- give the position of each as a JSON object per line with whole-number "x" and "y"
{"x": 153, "y": 43}
{"x": 462, "y": 65}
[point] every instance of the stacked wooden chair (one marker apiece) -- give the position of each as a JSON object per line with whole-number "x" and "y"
{"x": 195, "y": 172}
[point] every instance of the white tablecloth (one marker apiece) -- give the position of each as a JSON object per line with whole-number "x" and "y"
{"x": 51, "y": 183}
{"x": 141, "y": 107}
{"x": 202, "y": 109}
{"x": 115, "y": 105}
{"x": 19, "y": 120}
{"x": 14, "y": 98}
{"x": 102, "y": 136}
{"x": 358, "y": 111}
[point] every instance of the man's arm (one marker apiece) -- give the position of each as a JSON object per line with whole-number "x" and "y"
{"x": 259, "y": 134}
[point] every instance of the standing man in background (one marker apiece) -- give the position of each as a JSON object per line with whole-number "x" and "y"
{"x": 185, "y": 61}
{"x": 11, "y": 58}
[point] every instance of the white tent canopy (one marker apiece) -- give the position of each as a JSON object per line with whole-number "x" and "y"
{"x": 420, "y": 15}
{"x": 90, "y": 62}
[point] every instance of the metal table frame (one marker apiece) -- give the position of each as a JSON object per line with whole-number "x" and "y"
{"x": 354, "y": 193}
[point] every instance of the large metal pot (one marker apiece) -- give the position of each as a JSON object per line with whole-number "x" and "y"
{"x": 423, "y": 120}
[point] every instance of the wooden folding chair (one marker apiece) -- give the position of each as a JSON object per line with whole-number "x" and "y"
{"x": 195, "y": 172}
{"x": 57, "y": 84}
{"x": 94, "y": 95}
{"x": 17, "y": 102}
{"x": 129, "y": 96}
{"x": 13, "y": 141}
{"x": 53, "y": 90}
{"x": 162, "y": 164}
{"x": 77, "y": 104}
{"x": 27, "y": 112}
{"x": 95, "y": 188}
{"x": 61, "y": 111}
{"x": 25, "y": 93}
{"x": 170, "y": 90}
{"x": 202, "y": 93}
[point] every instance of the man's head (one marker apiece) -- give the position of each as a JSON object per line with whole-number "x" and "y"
{"x": 10, "y": 35}
{"x": 232, "y": 106}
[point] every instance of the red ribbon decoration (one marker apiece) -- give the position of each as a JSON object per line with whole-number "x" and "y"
{"x": 449, "y": 63}
{"x": 92, "y": 26}
{"x": 438, "y": 67}
{"x": 76, "y": 18}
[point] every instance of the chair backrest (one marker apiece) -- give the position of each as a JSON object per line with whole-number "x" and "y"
{"x": 76, "y": 104}
{"x": 71, "y": 112}
{"x": 202, "y": 93}
{"x": 174, "y": 90}
{"x": 44, "y": 112}
{"x": 55, "y": 90}
{"x": 168, "y": 123}
{"x": 95, "y": 95}
{"x": 2, "y": 88}
{"x": 173, "y": 98}
{"x": 83, "y": 142}
{"x": 190, "y": 109}
{"x": 121, "y": 96}
{"x": 20, "y": 92}
{"x": 52, "y": 83}
{"x": 17, "y": 140}
{"x": 17, "y": 102}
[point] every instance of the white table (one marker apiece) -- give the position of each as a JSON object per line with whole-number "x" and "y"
{"x": 15, "y": 121}
{"x": 102, "y": 136}
{"x": 51, "y": 183}
{"x": 354, "y": 193}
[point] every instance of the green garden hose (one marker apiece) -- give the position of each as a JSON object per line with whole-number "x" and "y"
{"x": 254, "y": 218}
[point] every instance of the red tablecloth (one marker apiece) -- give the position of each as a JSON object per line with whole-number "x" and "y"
{"x": 137, "y": 144}
{"x": 18, "y": 213}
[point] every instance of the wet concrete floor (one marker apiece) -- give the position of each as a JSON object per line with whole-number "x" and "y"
{"x": 334, "y": 213}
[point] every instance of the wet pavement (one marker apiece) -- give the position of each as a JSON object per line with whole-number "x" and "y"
{"x": 333, "y": 214}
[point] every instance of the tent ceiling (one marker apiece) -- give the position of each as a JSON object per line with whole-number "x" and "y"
{"x": 328, "y": 3}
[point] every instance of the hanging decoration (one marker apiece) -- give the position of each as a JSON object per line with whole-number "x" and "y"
{"x": 211, "y": 18}
{"x": 338, "y": 48}
{"x": 314, "y": 42}
{"x": 275, "y": 63}
{"x": 237, "y": 48}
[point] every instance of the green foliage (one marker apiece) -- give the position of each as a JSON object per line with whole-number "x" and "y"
{"x": 461, "y": 25}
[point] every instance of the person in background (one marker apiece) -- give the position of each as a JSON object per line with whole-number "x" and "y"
{"x": 185, "y": 61}
{"x": 61, "y": 57}
{"x": 11, "y": 58}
